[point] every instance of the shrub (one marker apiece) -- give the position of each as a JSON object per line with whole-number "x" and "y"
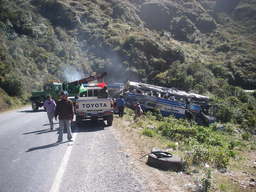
{"x": 220, "y": 157}
{"x": 4, "y": 68}
{"x": 224, "y": 113}
{"x": 232, "y": 144}
{"x": 200, "y": 154}
{"x": 227, "y": 127}
{"x": 215, "y": 140}
{"x": 12, "y": 86}
{"x": 232, "y": 153}
{"x": 9, "y": 101}
{"x": 176, "y": 131}
{"x": 202, "y": 135}
{"x": 163, "y": 125}
{"x": 148, "y": 132}
{"x": 158, "y": 115}
{"x": 250, "y": 121}
{"x": 206, "y": 182}
{"x": 246, "y": 136}
{"x": 172, "y": 145}
{"x": 150, "y": 116}
{"x": 166, "y": 129}
{"x": 254, "y": 94}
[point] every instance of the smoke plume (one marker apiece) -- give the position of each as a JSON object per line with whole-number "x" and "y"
{"x": 71, "y": 73}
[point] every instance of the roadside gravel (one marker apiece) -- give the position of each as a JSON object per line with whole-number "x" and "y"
{"x": 98, "y": 164}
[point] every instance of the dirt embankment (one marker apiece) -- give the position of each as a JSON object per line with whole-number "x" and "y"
{"x": 137, "y": 146}
{"x": 240, "y": 177}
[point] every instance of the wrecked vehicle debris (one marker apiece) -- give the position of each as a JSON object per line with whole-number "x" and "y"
{"x": 169, "y": 101}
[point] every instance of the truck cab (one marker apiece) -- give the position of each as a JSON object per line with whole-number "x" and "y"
{"x": 93, "y": 104}
{"x": 38, "y": 97}
{"x": 53, "y": 89}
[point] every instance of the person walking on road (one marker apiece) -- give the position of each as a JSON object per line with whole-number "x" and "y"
{"x": 65, "y": 111}
{"x": 120, "y": 103}
{"x": 50, "y": 106}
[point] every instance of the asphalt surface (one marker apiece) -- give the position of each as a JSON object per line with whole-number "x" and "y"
{"x": 32, "y": 161}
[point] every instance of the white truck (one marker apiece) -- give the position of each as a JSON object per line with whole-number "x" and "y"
{"x": 93, "y": 104}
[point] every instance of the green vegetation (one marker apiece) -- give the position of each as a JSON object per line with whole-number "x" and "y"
{"x": 148, "y": 132}
{"x": 214, "y": 145}
{"x": 7, "y": 102}
{"x": 221, "y": 146}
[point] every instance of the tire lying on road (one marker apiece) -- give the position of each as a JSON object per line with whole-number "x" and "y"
{"x": 165, "y": 161}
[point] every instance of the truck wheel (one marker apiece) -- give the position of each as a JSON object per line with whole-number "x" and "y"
{"x": 34, "y": 106}
{"x": 109, "y": 121}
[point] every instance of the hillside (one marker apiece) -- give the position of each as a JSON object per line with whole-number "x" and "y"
{"x": 199, "y": 45}
{"x": 39, "y": 39}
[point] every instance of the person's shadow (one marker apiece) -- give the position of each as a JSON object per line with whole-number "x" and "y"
{"x": 32, "y": 111}
{"x": 45, "y": 146}
{"x": 47, "y": 124}
{"x": 42, "y": 131}
{"x": 87, "y": 126}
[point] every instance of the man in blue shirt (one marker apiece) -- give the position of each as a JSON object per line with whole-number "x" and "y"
{"x": 120, "y": 103}
{"x": 49, "y": 106}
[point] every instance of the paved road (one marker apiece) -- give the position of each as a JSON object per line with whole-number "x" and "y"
{"x": 32, "y": 161}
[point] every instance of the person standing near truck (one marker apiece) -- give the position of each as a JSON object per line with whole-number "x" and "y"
{"x": 50, "y": 106}
{"x": 65, "y": 111}
{"x": 120, "y": 103}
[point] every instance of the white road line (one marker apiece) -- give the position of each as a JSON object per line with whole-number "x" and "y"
{"x": 58, "y": 178}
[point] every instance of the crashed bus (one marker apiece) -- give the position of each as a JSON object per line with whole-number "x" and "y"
{"x": 169, "y": 101}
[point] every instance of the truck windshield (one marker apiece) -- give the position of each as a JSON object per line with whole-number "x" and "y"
{"x": 57, "y": 87}
{"x": 90, "y": 93}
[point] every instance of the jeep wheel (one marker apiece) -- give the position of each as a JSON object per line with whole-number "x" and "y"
{"x": 109, "y": 121}
{"x": 34, "y": 106}
{"x": 78, "y": 120}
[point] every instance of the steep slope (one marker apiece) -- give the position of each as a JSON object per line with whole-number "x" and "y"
{"x": 188, "y": 44}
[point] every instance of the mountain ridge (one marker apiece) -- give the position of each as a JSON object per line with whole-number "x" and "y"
{"x": 151, "y": 41}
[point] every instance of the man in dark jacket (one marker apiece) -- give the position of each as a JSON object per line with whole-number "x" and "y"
{"x": 65, "y": 111}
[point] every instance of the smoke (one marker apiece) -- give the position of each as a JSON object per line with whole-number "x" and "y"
{"x": 103, "y": 59}
{"x": 72, "y": 73}
{"x": 118, "y": 71}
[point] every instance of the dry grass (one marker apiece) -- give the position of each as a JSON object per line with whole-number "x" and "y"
{"x": 137, "y": 146}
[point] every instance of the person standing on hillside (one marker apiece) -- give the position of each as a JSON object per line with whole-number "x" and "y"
{"x": 137, "y": 110}
{"x": 65, "y": 111}
{"x": 50, "y": 106}
{"x": 120, "y": 103}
